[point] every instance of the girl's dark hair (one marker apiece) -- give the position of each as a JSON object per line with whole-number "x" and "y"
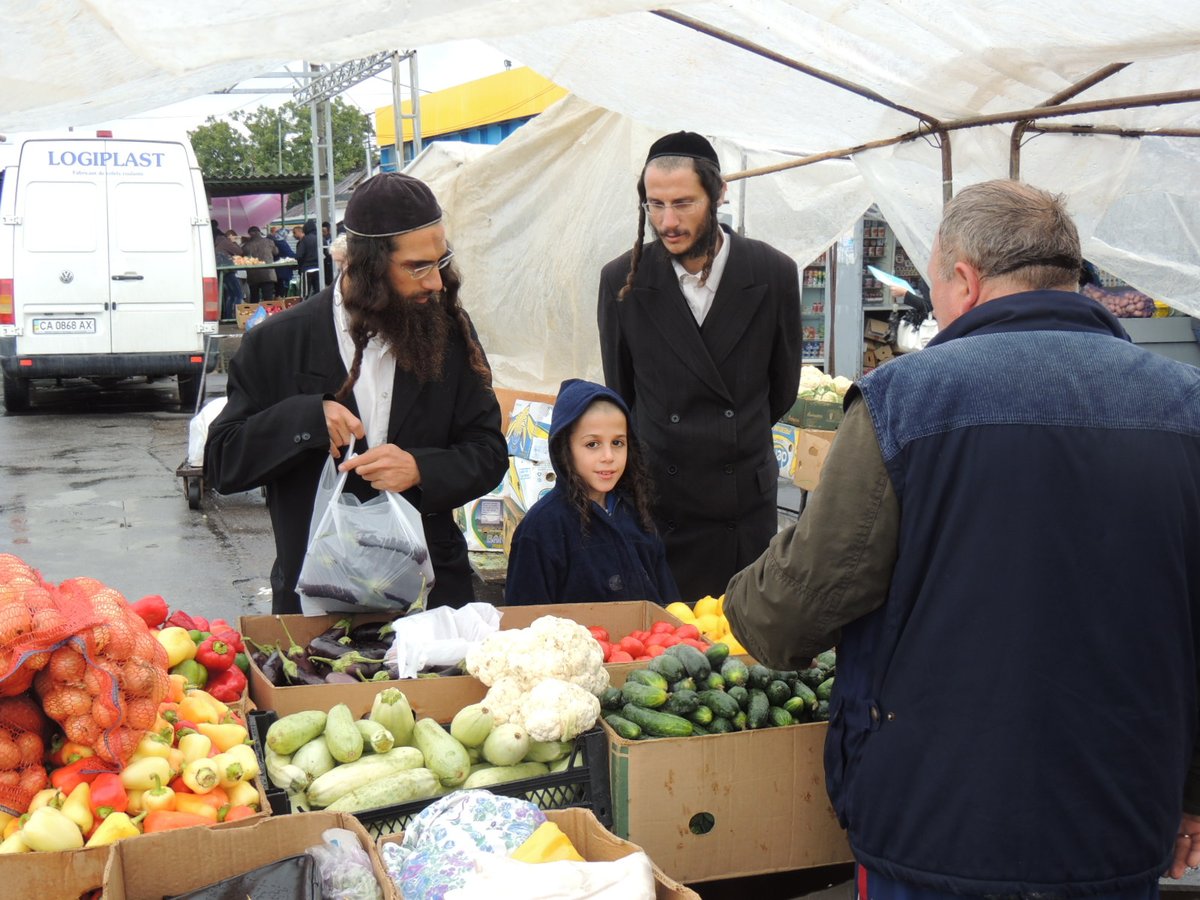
{"x": 710, "y": 180}
{"x": 635, "y": 480}
{"x": 370, "y": 261}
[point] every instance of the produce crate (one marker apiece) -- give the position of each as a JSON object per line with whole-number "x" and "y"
{"x": 585, "y": 785}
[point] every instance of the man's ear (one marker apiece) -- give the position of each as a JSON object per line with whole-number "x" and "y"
{"x": 721, "y": 201}
{"x": 968, "y": 287}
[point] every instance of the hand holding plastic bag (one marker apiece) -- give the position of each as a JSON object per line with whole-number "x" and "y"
{"x": 363, "y": 555}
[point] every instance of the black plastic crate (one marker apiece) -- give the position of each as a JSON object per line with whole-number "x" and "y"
{"x": 584, "y": 784}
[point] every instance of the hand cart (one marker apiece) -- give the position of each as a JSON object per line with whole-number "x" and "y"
{"x": 193, "y": 476}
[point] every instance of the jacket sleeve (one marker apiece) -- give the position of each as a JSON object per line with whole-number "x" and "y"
{"x": 614, "y": 351}
{"x": 253, "y": 440}
{"x": 476, "y": 456}
{"x": 787, "y": 352}
{"x": 832, "y": 567}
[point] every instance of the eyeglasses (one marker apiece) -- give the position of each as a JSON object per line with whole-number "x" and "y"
{"x": 656, "y": 208}
{"x": 419, "y": 272}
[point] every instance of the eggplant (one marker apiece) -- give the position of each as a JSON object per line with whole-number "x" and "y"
{"x": 325, "y": 646}
{"x": 373, "y": 650}
{"x": 340, "y": 678}
{"x": 272, "y": 668}
{"x": 294, "y": 674}
{"x": 371, "y": 633}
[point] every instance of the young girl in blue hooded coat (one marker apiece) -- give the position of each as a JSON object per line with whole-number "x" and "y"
{"x": 592, "y": 537}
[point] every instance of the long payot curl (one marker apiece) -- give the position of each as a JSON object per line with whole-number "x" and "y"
{"x": 712, "y": 183}
{"x": 635, "y": 480}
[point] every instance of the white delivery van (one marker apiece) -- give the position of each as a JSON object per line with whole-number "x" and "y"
{"x": 106, "y": 263}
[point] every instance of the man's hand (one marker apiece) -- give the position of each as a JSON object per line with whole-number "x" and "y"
{"x": 386, "y": 468}
{"x": 341, "y": 424}
{"x": 1187, "y": 846}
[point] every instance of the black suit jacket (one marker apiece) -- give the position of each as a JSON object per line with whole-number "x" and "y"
{"x": 272, "y": 432}
{"x": 704, "y": 399}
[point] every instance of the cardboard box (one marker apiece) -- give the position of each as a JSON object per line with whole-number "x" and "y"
{"x": 508, "y": 398}
{"x": 528, "y": 429}
{"x": 869, "y": 360}
{"x": 173, "y": 862}
{"x": 814, "y": 414}
{"x": 760, "y": 795}
{"x": 595, "y": 843}
{"x": 72, "y": 874}
{"x": 812, "y": 447}
{"x": 875, "y": 329}
{"x": 884, "y": 352}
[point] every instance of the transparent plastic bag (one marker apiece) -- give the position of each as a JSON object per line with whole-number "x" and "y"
{"x": 363, "y": 555}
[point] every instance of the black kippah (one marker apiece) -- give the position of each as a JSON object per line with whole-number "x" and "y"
{"x": 684, "y": 143}
{"x": 391, "y": 203}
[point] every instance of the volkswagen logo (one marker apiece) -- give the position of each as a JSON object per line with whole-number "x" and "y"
{"x": 66, "y": 276}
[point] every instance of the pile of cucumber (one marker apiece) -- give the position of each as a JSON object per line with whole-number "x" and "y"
{"x": 687, "y": 692}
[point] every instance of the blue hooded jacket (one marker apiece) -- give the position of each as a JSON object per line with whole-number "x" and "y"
{"x": 552, "y": 559}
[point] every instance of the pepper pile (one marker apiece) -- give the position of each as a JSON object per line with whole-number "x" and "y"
{"x": 210, "y": 655}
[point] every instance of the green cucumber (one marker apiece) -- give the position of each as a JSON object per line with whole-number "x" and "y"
{"x": 740, "y": 695}
{"x": 803, "y": 692}
{"x": 720, "y": 703}
{"x": 699, "y": 730}
{"x": 680, "y": 703}
{"x": 822, "y": 712}
{"x": 740, "y": 721}
{"x": 643, "y": 695}
{"x": 649, "y": 678}
{"x": 622, "y": 726}
{"x": 683, "y": 684}
{"x": 778, "y": 717}
{"x": 717, "y": 654}
{"x": 734, "y": 671}
{"x": 714, "y": 682}
{"x": 827, "y": 660}
{"x": 813, "y": 676}
{"x": 756, "y": 714}
{"x": 693, "y": 660}
{"x": 701, "y": 715}
{"x": 825, "y": 689}
{"x": 720, "y": 726}
{"x": 760, "y": 676}
{"x": 657, "y": 724}
{"x": 670, "y": 667}
{"x": 611, "y": 699}
{"x": 797, "y": 707}
{"x": 777, "y": 692}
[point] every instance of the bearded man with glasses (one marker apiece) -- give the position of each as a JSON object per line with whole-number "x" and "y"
{"x": 700, "y": 334}
{"x": 386, "y": 354}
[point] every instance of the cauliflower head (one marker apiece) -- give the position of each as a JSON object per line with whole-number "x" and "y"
{"x": 558, "y": 710}
{"x": 504, "y": 700}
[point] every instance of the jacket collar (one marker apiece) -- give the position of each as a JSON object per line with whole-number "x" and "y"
{"x": 1034, "y": 311}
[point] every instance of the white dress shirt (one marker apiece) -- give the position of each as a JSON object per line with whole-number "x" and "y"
{"x": 373, "y": 390}
{"x": 700, "y": 296}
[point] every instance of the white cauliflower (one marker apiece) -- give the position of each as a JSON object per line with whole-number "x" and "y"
{"x": 841, "y": 384}
{"x": 558, "y": 711}
{"x": 551, "y": 647}
{"x": 504, "y": 700}
{"x": 488, "y": 660}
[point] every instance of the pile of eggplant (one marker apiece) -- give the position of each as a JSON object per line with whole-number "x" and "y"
{"x": 344, "y": 653}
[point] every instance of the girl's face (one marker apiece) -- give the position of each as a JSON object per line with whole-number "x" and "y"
{"x": 599, "y": 448}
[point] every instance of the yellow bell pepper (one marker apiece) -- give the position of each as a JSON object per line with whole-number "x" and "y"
{"x": 195, "y": 746}
{"x": 224, "y": 737}
{"x": 140, "y": 774}
{"x": 244, "y": 793}
{"x": 176, "y": 760}
{"x": 78, "y": 807}
{"x": 199, "y": 707}
{"x": 158, "y": 797}
{"x": 49, "y": 830}
{"x": 15, "y": 843}
{"x": 244, "y": 755}
{"x": 178, "y": 644}
{"x": 5, "y": 818}
{"x": 200, "y": 776}
{"x": 115, "y": 826}
{"x": 133, "y": 803}
{"x": 151, "y": 745}
{"x": 196, "y": 805}
{"x": 46, "y": 797}
{"x": 14, "y": 826}
{"x": 547, "y": 844}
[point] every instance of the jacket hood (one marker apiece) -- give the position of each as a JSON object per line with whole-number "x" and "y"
{"x": 574, "y": 397}
{"x": 310, "y": 227}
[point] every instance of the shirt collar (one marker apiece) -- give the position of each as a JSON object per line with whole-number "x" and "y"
{"x": 714, "y": 273}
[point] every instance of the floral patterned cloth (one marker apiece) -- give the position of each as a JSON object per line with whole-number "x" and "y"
{"x": 442, "y": 841}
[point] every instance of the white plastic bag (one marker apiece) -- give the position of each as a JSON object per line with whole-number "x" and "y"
{"x": 910, "y": 338}
{"x": 363, "y": 556}
{"x": 438, "y": 637}
{"x": 198, "y": 429}
{"x": 628, "y": 878}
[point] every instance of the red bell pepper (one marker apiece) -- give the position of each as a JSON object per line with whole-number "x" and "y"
{"x": 166, "y": 820}
{"x": 227, "y": 686}
{"x": 108, "y": 795}
{"x": 201, "y": 623}
{"x": 235, "y": 813}
{"x": 215, "y": 655}
{"x": 180, "y": 619}
{"x": 230, "y": 636}
{"x": 67, "y": 778}
{"x": 152, "y": 609}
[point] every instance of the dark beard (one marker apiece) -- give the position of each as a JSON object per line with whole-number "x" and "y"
{"x": 417, "y": 333}
{"x": 699, "y": 248}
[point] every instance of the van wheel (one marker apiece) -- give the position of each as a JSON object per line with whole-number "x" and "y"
{"x": 189, "y": 390}
{"x": 16, "y": 394}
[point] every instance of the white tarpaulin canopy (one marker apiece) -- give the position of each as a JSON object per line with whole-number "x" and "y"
{"x": 769, "y": 79}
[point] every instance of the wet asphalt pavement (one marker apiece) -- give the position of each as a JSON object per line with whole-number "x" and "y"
{"x": 88, "y": 487}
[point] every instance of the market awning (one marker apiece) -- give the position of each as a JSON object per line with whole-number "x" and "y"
{"x": 238, "y": 185}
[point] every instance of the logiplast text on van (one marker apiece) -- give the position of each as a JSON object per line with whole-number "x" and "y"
{"x": 106, "y": 263}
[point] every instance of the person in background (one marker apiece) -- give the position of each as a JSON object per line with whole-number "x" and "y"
{"x": 308, "y": 257}
{"x": 337, "y": 252}
{"x": 386, "y": 354}
{"x": 592, "y": 537}
{"x": 284, "y": 250}
{"x": 986, "y": 594}
{"x": 327, "y": 259}
{"x": 261, "y": 281}
{"x": 231, "y": 287}
{"x": 700, "y": 335}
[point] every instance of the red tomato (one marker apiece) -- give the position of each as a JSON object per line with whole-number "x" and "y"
{"x": 687, "y": 631}
{"x": 670, "y": 641}
{"x": 606, "y": 647}
{"x": 656, "y": 639}
{"x": 632, "y": 646}
{"x": 640, "y": 635}
{"x": 620, "y": 655}
{"x": 660, "y": 627}
{"x": 642, "y": 658}
{"x": 600, "y": 634}
{"x": 656, "y": 650}
{"x": 699, "y": 645}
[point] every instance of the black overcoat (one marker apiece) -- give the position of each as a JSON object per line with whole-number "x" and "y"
{"x": 272, "y": 433}
{"x": 704, "y": 399}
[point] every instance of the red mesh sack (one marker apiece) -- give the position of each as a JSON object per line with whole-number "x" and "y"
{"x": 22, "y": 746}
